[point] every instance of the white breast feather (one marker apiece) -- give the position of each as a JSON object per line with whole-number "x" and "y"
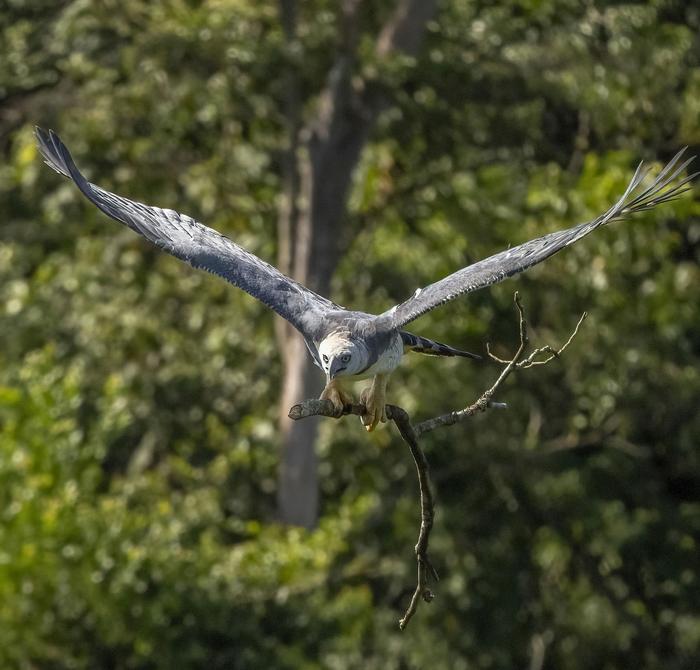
{"x": 388, "y": 360}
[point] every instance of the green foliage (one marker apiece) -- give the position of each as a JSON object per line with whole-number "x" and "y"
{"x": 138, "y": 397}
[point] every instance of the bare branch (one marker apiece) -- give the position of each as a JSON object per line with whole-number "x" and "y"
{"x": 411, "y": 435}
{"x": 425, "y": 567}
{"x": 400, "y": 417}
{"x": 314, "y": 407}
{"x": 484, "y": 402}
{"x": 531, "y": 361}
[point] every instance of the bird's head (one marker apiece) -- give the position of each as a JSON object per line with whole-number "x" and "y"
{"x": 341, "y": 356}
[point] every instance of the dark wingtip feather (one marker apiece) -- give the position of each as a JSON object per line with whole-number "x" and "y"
{"x": 661, "y": 190}
{"x": 47, "y": 148}
{"x": 58, "y": 158}
{"x": 469, "y": 354}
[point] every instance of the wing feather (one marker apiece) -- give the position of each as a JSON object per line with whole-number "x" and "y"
{"x": 198, "y": 245}
{"x": 511, "y": 261}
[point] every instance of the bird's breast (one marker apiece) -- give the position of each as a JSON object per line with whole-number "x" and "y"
{"x": 387, "y": 361}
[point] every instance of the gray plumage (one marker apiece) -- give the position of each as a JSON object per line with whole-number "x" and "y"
{"x": 371, "y": 344}
{"x": 422, "y": 345}
{"x": 511, "y": 261}
{"x": 201, "y": 247}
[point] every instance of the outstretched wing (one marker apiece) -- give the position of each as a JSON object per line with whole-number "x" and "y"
{"x": 200, "y": 246}
{"x": 511, "y": 261}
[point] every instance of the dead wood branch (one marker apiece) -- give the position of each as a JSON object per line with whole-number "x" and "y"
{"x": 411, "y": 434}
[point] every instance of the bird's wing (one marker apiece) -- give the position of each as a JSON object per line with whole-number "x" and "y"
{"x": 200, "y": 246}
{"x": 511, "y": 261}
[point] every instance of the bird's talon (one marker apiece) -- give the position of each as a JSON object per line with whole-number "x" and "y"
{"x": 338, "y": 397}
{"x": 374, "y": 399}
{"x": 370, "y": 421}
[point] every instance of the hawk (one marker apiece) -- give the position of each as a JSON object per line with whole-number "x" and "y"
{"x": 346, "y": 344}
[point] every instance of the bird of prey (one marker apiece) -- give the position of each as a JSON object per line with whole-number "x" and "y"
{"x": 349, "y": 345}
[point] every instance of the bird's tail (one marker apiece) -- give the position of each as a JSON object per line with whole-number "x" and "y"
{"x": 422, "y": 345}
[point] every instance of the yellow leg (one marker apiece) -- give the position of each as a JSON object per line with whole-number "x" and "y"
{"x": 374, "y": 400}
{"x": 336, "y": 395}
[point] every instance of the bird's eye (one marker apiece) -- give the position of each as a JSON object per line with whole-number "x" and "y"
{"x": 345, "y": 358}
{"x": 325, "y": 358}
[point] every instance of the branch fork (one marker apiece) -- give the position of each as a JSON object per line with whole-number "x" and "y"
{"x": 412, "y": 432}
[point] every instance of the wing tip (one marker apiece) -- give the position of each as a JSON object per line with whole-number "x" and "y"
{"x": 661, "y": 189}
{"x": 49, "y": 145}
{"x": 57, "y": 156}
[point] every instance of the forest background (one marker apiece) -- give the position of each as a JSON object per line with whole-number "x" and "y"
{"x": 144, "y": 469}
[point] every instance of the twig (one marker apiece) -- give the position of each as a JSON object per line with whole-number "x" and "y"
{"x": 531, "y": 361}
{"x": 400, "y": 417}
{"x": 484, "y": 402}
{"x": 314, "y": 407}
{"x": 427, "y": 513}
{"x": 411, "y": 434}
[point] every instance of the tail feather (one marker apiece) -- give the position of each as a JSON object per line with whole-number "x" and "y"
{"x": 422, "y": 345}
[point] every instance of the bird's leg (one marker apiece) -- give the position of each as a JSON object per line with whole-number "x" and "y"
{"x": 337, "y": 395}
{"x": 374, "y": 400}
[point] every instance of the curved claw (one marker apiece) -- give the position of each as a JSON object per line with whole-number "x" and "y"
{"x": 337, "y": 396}
{"x": 374, "y": 400}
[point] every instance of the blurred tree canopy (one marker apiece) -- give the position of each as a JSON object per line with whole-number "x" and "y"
{"x": 138, "y": 438}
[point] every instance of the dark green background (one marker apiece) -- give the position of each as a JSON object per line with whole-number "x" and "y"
{"x": 138, "y": 447}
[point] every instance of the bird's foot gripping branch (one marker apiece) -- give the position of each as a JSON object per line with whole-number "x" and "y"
{"x": 411, "y": 434}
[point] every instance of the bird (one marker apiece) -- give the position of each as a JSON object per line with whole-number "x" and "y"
{"x": 350, "y": 345}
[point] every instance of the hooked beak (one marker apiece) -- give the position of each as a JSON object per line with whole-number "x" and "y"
{"x": 336, "y": 367}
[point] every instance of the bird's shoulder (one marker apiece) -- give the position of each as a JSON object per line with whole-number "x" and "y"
{"x": 356, "y": 324}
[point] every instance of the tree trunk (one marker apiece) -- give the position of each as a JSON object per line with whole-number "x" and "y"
{"x": 317, "y": 246}
{"x": 312, "y": 237}
{"x": 297, "y": 491}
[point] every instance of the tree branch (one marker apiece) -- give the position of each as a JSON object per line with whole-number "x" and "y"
{"x": 427, "y": 513}
{"x": 485, "y": 400}
{"x": 411, "y": 434}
